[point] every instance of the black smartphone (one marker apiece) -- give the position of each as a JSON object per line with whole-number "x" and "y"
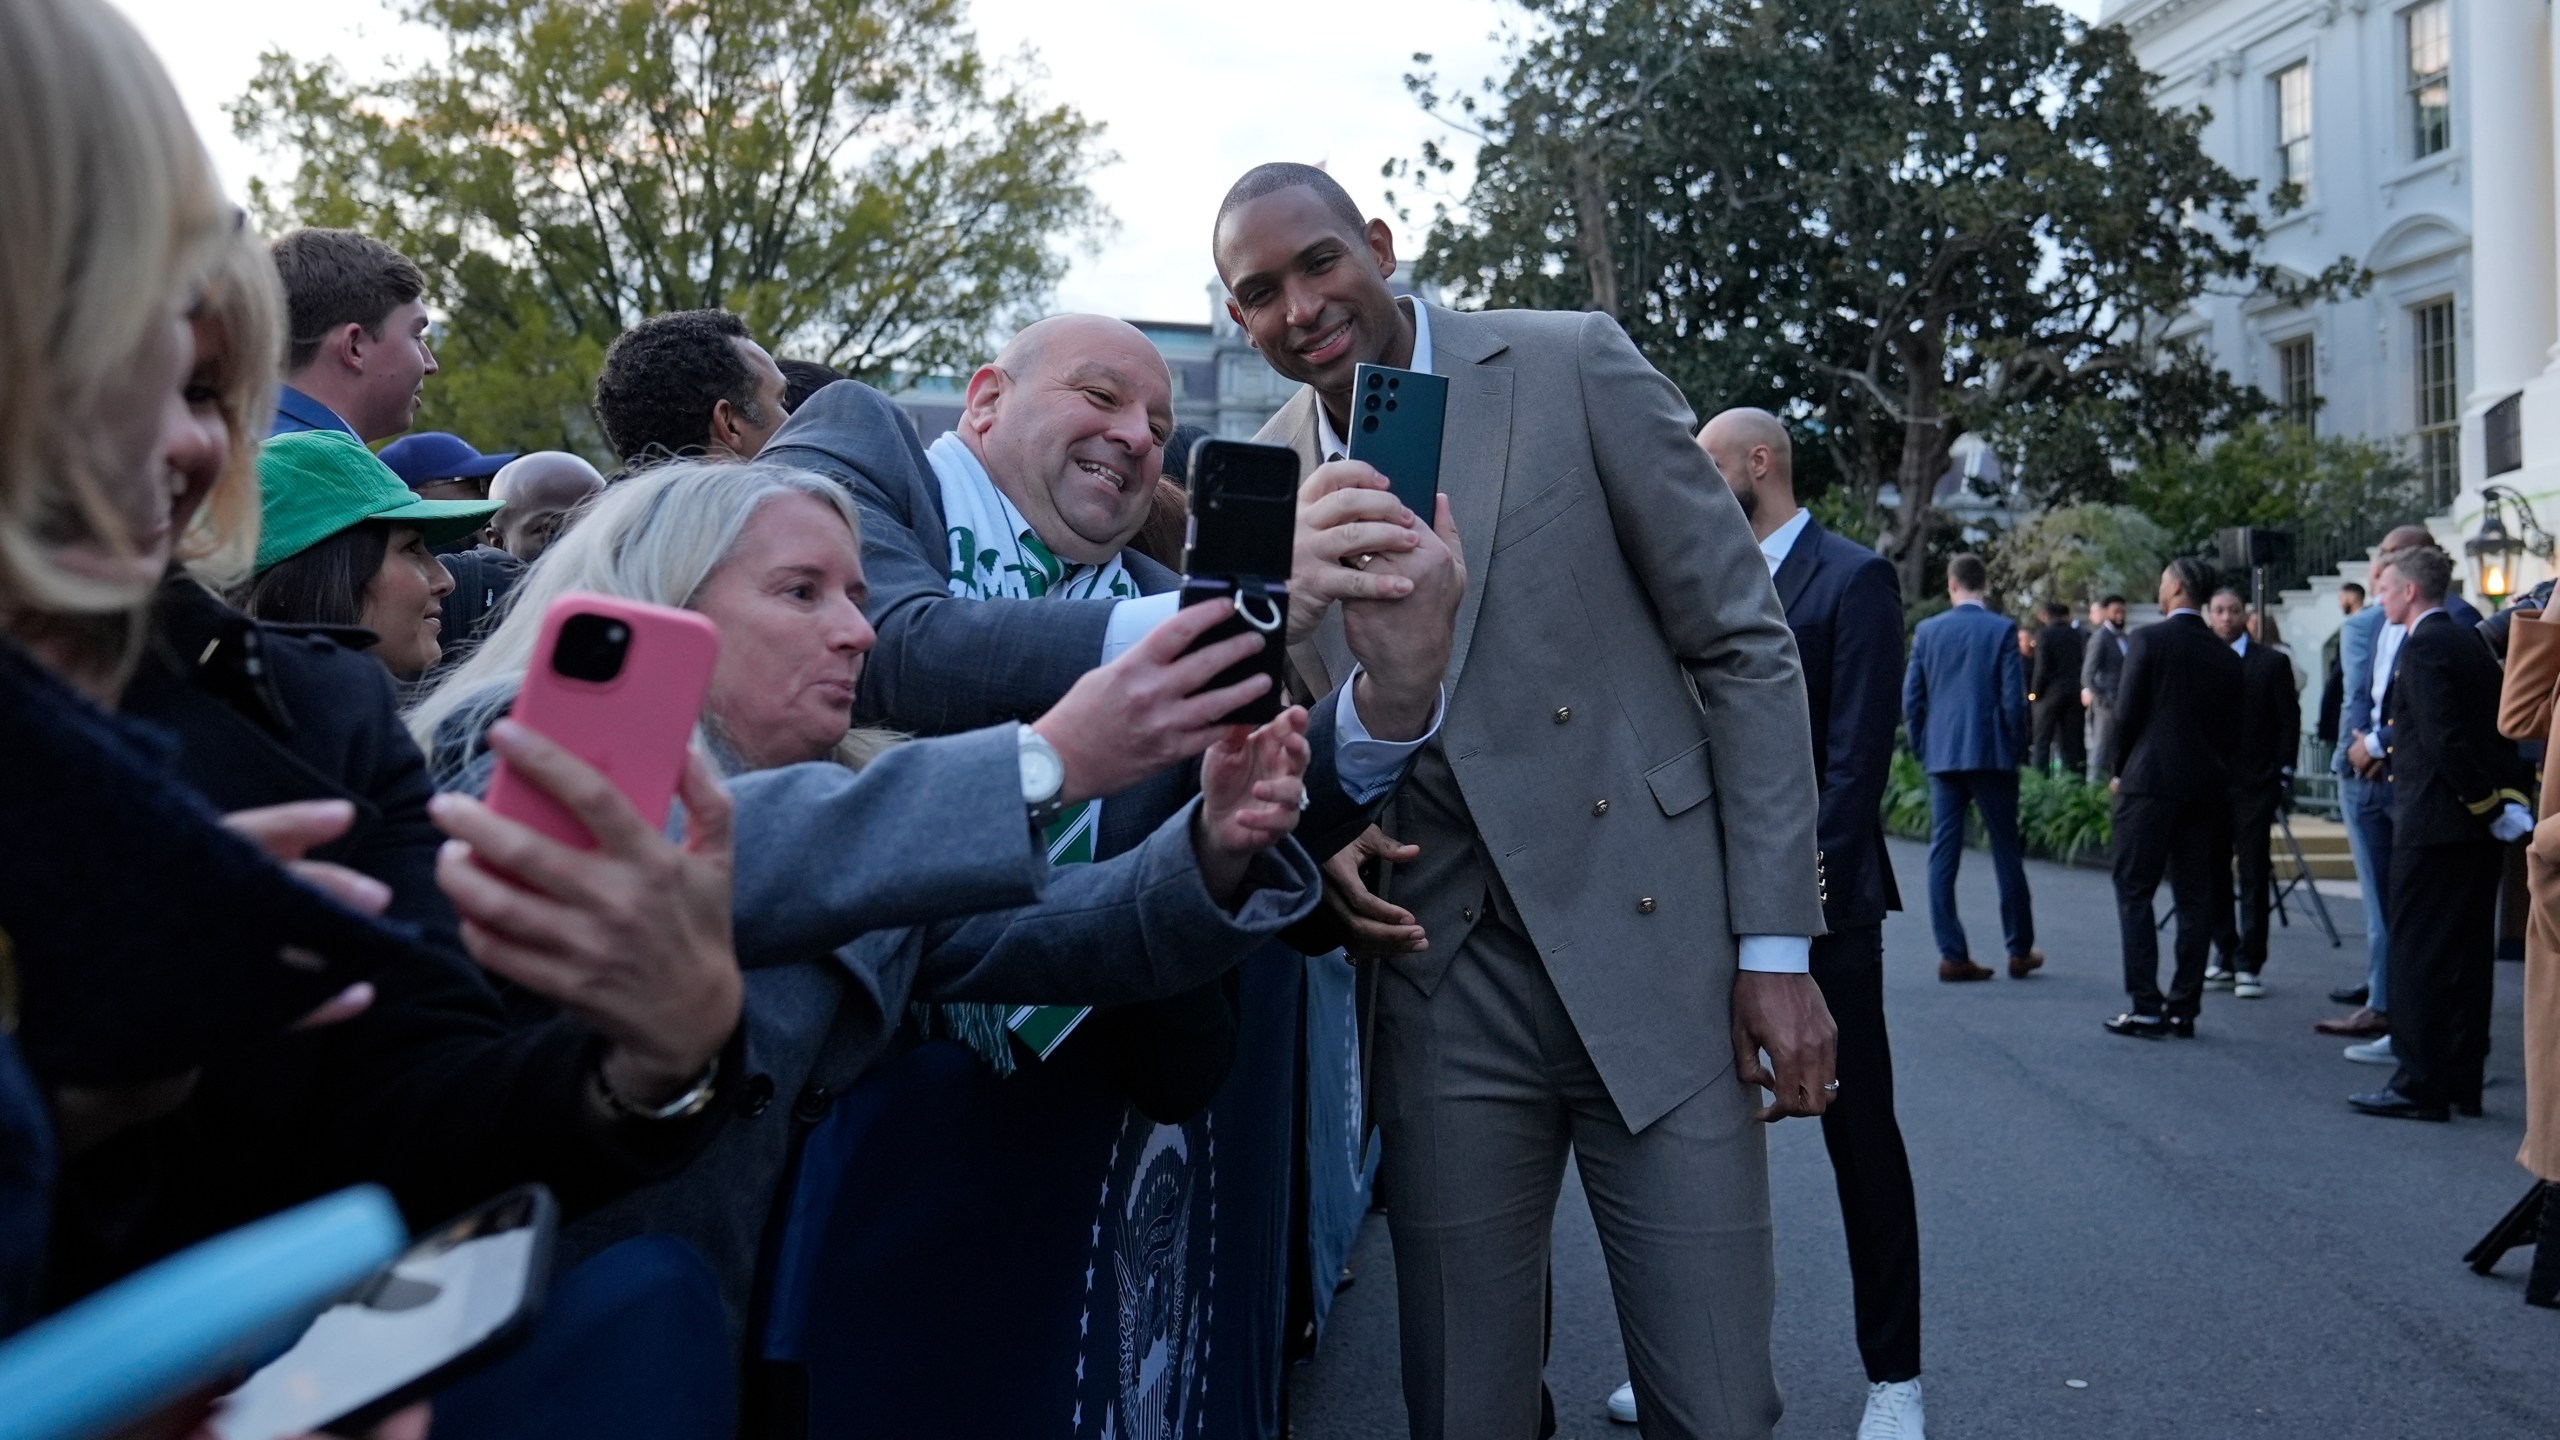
{"x": 1241, "y": 538}
{"x": 462, "y": 1296}
{"x": 1396, "y": 419}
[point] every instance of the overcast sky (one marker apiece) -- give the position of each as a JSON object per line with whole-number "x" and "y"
{"x": 1192, "y": 95}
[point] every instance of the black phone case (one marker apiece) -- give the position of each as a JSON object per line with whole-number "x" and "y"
{"x": 501, "y": 1341}
{"x": 1397, "y": 417}
{"x": 1262, "y": 609}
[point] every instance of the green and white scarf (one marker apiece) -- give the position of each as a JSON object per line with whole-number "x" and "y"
{"x": 996, "y": 555}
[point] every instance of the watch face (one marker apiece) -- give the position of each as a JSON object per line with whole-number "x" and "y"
{"x": 1043, "y": 774}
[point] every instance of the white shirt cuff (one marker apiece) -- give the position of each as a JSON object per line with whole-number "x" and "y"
{"x": 1778, "y": 954}
{"x": 1132, "y": 619}
{"x": 2513, "y": 823}
{"x": 1366, "y": 766}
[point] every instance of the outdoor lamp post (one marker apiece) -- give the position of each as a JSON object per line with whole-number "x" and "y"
{"x": 2495, "y": 549}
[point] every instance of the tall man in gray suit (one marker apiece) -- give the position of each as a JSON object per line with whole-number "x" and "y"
{"x": 2101, "y": 671}
{"x": 1591, "y": 948}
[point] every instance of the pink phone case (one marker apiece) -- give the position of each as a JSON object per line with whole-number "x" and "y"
{"x": 633, "y": 727}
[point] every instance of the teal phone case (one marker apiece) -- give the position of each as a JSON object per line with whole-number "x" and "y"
{"x": 1396, "y": 420}
{"x": 199, "y": 1316}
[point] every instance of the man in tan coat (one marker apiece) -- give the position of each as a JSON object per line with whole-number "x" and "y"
{"x": 1586, "y": 965}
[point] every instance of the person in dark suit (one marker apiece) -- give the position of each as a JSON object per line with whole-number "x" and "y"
{"x": 1965, "y": 701}
{"x": 2053, "y": 691}
{"x": 2261, "y": 776}
{"x": 2458, "y": 795}
{"x": 2175, "y": 731}
{"x": 1845, "y": 608}
{"x": 2101, "y": 667}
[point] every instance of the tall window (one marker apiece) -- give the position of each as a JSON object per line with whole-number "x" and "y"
{"x": 2293, "y": 125}
{"x": 2430, "y": 37}
{"x": 2296, "y": 393}
{"x": 2439, "y": 402}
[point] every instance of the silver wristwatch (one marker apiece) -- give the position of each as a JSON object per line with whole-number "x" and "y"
{"x": 1044, "y": 778}
{"x": 690, "y": 1103}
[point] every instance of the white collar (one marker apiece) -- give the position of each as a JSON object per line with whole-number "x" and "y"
{"x": 1328, "y": 441}
{"x": 2240, "y": 646}
{"x": 1782, "y": 540}
{"x": 1960, "y": 604}
{"x": 2183, "y": 610}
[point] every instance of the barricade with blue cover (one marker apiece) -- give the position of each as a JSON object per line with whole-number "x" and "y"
{"x": 967, "y": 1254}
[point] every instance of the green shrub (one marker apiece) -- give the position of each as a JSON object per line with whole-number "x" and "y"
{"x": 2060, "y": 816}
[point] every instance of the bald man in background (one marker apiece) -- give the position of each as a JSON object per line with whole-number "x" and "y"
{"x": 540, "y": 494}
{"x": 1845, "y": 607}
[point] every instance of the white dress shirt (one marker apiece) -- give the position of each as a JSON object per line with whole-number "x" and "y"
{"x": 1782, "y": 541}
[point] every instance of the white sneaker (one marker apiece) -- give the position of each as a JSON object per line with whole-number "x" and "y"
{"x": 2373, "y": 1052}
{"x": 2216, "y": 978}
{"x": 2247, "y": 986}
{"x": 1893, "y": 1412}
{"x": 1622, "y": 1404}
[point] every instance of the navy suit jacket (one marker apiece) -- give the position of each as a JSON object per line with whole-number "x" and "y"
{"x": 1965, "y": 695}
{"x": 1845, "y": 607}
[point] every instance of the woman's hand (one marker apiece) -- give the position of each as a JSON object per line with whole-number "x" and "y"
{"x": 631, "y": 937}
{"x": 1252, "y": 788}
{"x": 1146, "y": 711}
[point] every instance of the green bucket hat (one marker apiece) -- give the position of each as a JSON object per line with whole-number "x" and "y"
{"x": 315, "y": 483}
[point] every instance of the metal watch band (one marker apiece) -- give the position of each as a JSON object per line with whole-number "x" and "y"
{"x": 691, "y": 1102}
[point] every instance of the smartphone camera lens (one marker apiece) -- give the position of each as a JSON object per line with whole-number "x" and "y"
{"x": 1391, "y": 404}
{"x": 1369, "y": 423}
{"x": 1374, "y": 379}
{"x": 1391, "y": 384}
{"x": 1373, "y": 402}
{"x": 591, "y": 648}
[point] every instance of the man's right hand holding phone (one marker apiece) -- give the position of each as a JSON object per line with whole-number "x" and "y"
{"x": 1347, "y": 519}
{"x": 1146, "y": 712}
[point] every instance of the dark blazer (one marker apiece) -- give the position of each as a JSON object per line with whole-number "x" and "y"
{"x": 2451, "y": 771}
{"x": 1845, "y": 607}
{"x": 2055, "y": 680}
{"x": 2176, "y": 728}
{"x": 943, "y": 665}
{"x": 1965, "y": 695}
{"x": 2270, "y": 720}
{"x": 2102, "y": 664}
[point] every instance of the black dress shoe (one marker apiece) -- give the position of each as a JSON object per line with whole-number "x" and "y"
{"x": 2180, "y": 1027}
{"x": 2350, "y": 995}
{"x": 2139, "y": 1027}
{"x": 2393, "y": 1105}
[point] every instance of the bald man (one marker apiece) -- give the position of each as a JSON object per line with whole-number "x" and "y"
{"x": 540, "y": 493}
{"x": 1845, "y": 607}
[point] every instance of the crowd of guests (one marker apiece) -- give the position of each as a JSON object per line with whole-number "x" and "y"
{"x": 965, "y": 754}
{"x": 2438, "y": 719}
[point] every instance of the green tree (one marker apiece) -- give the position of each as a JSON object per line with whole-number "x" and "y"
{"x": 2282, "y": 477}
{"x": 1892, "y": 221}
{"x": 848, "y": 175}
{"x": 2078, "y": 553}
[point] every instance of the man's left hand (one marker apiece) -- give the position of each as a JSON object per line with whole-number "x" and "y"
{"x": 1403, "y": 644}
{"x": 1783, "y": 1015}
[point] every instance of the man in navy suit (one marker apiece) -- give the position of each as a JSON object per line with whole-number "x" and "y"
{"x": 1845, "y": 608}
{"x": 1965, "y": 701}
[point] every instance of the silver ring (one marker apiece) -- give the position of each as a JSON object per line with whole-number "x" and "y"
{"x": 1831, "y": 1088}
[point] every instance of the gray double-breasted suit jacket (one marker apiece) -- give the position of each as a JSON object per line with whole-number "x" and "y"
{"x": 1625, "y": 763}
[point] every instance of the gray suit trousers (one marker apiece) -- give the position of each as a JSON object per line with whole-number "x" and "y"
{"x": 1483, "y": 1087}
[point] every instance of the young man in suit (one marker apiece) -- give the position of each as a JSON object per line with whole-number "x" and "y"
{"x": 1623, "y": 696}
{"x": 2053, "y": 692}
{"x": 1845, "y": 608}
{"x": 1964, "y": 700}
{"x": 2458, "y": 792}
{"x": 2101, "y": 667}
{"x": 358, "y": 359}
{"x": 2261, "y": 773}
{"x": 2175, "y": 731}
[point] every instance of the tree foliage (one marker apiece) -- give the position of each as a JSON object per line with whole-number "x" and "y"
{"x": 2079, "y": 553}
{"x": 848, "y": 175}
{"x": 2281, "y": 477}
{"x": 1891, "y": 221}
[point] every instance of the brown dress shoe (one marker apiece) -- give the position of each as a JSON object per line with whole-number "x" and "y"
{"x": 2022, "y": 966}
{"x": 2364, "y": 1024}
{"x": 1954, "y": 970}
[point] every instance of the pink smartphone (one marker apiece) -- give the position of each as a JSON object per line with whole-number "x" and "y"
{"x": 619, "y": 684}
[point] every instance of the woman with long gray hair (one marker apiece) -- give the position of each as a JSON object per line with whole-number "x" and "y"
{"x": 880, "y": 874}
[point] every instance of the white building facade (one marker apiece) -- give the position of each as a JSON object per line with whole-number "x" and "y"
{"x": 2422, "y": 137}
